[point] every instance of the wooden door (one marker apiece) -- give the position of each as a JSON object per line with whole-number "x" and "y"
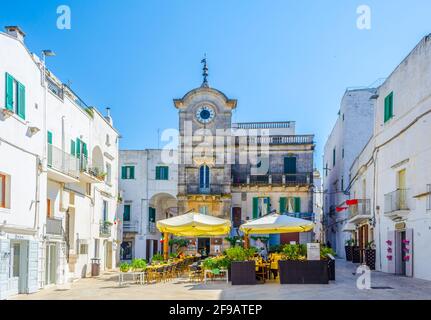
{"x": 236, "y": 217}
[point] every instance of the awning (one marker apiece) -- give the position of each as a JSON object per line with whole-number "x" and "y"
{"x": 275, "y": 223}
{"x": 194, "y": 224}
{"x": 349, "y": 227}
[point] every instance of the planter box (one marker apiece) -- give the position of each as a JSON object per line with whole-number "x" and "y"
{"x": 356, "y": 255}
{"x": 243, "y": 273}
{"x": 331, "y": 269}
{"x": 303, "y": 272}
{"x": 370, "y": 258}
{"x": 349, "y": 253}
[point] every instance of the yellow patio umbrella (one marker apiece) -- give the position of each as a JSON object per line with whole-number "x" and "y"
{"x": 193, "y": 224}
{"x": 275, "y": 223}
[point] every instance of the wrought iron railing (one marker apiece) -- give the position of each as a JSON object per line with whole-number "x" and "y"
{"x": 62, "y": 161}
{"x": 274, "y": 179}
{"x": 105, "y": 229}
{"x": 215, "y": 189}
{"x": 92, "y": 168}
{"x": 301, "y": 215}
{"x": 396, "y": 201}
{"x": 55, "y": 88}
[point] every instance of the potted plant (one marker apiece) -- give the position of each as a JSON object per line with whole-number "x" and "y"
{"x": 356, "y": 253}
{"x": 242, "y": 267}
{"x": 157, "y": 258}
{"x": 139, "y": 265}
{"x": 124, "y": 267}
{"x": 295, "y": 269}
{"x": 349, "y": 249}
{"x": 328, "y": 254}
{"x": 370, "y": 255}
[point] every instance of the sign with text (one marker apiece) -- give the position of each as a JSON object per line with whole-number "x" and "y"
{"x": 313, "y": 251}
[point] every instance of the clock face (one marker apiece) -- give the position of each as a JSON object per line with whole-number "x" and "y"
{"x": 205, "y": 114}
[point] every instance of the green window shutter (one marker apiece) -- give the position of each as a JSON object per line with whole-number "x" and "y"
{"x": 21, "y": 101}
{"x": 9, "y": 91}
{"x": 49, "y": 137}
{"x": 157, "y": 173}
{"x": 72, "y": 147}
{"x": 166, "y": 173}
{"x": 151, "y": 214}
{"x": 126, "y": 214}
{"x": 297, "y": 204}
{"x": 255, "y": 207}
{"x": 132, "y": 172}
{"x": 123, "y": 172}
{"x": 391, "y": 105}
{"x": 268, "y": 205}
{"x": 290, "y": 165}
{"x": 282, "y": 205}
{"x": 78, "y": 147}
{"x": 84, "y": 150}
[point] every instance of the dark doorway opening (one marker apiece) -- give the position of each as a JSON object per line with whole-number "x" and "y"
{"x": 204, "y": 246}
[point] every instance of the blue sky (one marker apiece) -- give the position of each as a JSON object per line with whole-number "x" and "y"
{"x": 282, "y": 60}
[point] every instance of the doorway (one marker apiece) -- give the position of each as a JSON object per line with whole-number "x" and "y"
{"x": 400, "y": 256}
{"x": 236, "y": 217}
{"x": 108, "y": 255}
{"x": 204, "y": 246}
{"x": 51, "y": 264}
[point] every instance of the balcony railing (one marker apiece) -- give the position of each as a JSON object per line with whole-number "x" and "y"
{"x": 363, "y": 208}
{"x": 274, "y": 179}
{"x": 301, "y": 215}
{"x": 62, "y": 161}
{"x": 396, "y": 201}
{"x": 92, "y": 168}
{"x": 54, "y": 226}
{"x": 131, "y": 226}
{"x": 214, "y": 189}
{"x": 152, "y": 227}
{"x": 277, "y": 140}
{"x": 264, "y": 125}
{"x": 105, "y": 229}
{"x": 55, "y": 88}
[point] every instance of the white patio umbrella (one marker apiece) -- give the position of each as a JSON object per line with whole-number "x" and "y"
{"x": 275, "y": 223}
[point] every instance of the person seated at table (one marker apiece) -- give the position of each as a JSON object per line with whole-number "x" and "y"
{"x": 263, "y": 253}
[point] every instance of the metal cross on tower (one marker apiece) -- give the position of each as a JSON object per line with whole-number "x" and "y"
{"x": 205, "y": 71}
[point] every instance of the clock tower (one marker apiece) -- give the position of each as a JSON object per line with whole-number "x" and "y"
{"x": 205, "y": 139}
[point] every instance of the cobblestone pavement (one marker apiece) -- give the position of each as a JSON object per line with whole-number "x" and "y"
{"x": 106, "y": 287}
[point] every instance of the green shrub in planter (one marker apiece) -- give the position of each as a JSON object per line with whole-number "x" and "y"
{"x": 158, "y": 258}
{"x": 124, "y": 267}
{"x": 139, "y": 264}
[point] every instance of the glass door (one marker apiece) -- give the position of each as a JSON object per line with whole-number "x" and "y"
{"x": 51, "y": 264}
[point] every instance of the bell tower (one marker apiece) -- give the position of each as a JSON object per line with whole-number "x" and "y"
{"x": 204, "y": 168}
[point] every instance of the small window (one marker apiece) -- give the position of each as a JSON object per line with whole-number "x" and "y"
{"x": 48, "y": 208}
{"x": 2, "y": 191}
{"x": 334, "y": 156}
{"x": 107, "y": 142}
{"x": 128, "y": 172}
{"x": 126, "y": 213}
{"x": 389, "y": 107}
{"x": 204, "y": 210}
{"x": 83, "y": 248}
{"x": 108, "y": 178}
{"x": 162, "y": 173}
{"x": 105, "y": 210}
{"x": 342, "y": 153}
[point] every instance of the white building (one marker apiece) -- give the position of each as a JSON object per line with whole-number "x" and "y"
{"x": 394, "y": 170}
{"x": 149, "y": 193}
{"x": 318, "y": 207}
{"x": 58, "y": 176}
{"x": 353, "y": 129}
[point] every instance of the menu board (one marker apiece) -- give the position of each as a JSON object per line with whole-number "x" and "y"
{"x": 313, "y": 251}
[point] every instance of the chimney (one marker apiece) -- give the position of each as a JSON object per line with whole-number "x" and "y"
{"x": 108, "y": 116}
{"x": 15, "y": 32}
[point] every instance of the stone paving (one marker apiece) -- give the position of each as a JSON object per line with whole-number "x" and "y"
{"x": 344, "y": 288}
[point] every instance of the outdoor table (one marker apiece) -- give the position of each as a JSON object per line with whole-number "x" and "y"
{"x": 225, "y": 271}
{"x": 139, "y": 274}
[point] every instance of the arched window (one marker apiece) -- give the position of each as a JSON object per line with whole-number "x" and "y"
{"x": 204, "y": 178}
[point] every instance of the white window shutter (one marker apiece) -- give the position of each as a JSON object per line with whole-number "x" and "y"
{"x": 4, "y": 267}
{"x": 33, "y": 255}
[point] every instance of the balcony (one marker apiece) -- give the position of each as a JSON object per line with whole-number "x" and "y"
{"x": 264, "y": 125}
{"x": 131, "y": 226}
{"x": 214, "y": 189}
{"x": 360, "y": 212}
{"x": 91, "y": 172}
{"x": 397, "y": 204}
{"x": 62, "y": 166}
{"x": 54, "y": 227}
{"x": 152, "y": 227}
{"x": 275, "y": 179}
{"x": 105, "y": 229}
{"x": 301, "y": 215}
